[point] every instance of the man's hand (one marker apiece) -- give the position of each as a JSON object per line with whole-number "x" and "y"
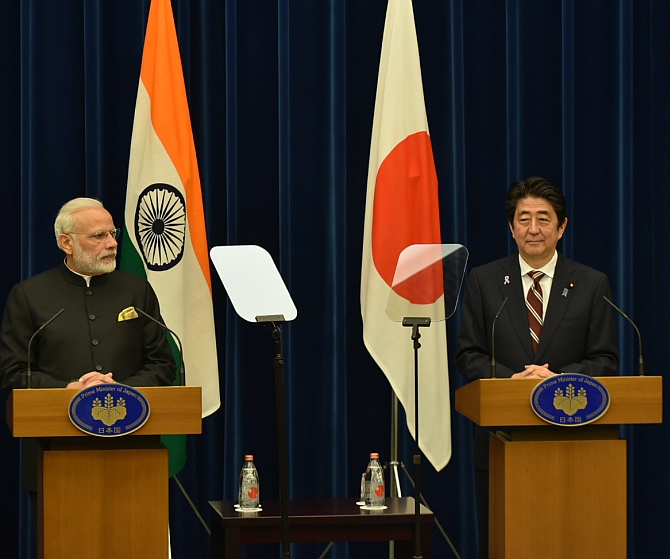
{"x": 91, "y": 379}
{"x": 535, "y": 371}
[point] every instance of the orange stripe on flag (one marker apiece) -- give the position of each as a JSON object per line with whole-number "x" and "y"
{"x": 163, "y": 79}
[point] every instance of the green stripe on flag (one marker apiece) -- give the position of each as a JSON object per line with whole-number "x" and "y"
{"x": 176, "y": 444}
{"x": 132, "y": 262}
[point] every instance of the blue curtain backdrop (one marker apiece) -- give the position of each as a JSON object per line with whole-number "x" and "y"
{"x": 281, "y": 95}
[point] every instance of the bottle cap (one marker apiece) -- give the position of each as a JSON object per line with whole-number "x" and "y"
{"x": 374, "y": 456}
{"x": 248, "y": 457}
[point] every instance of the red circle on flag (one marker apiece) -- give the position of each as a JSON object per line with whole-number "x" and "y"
{"x": 406, "y": 212}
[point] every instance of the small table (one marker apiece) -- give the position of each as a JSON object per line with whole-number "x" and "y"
{"x": 319, "y": 520}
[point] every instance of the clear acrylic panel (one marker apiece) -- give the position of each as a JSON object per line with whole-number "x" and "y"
{"x": 427, "y": 282}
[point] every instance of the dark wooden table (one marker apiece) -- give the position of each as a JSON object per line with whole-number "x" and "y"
{"x": 319, "y": 520}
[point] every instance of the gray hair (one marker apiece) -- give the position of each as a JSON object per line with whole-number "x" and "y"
{"x": 65, "y": 221}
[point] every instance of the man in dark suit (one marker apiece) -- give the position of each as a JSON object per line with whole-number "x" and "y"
{"x": 554, "y": 321}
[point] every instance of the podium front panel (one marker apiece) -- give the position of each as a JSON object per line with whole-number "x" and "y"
{"x": 557, "y": 499}
{"x": 103, "y": 503}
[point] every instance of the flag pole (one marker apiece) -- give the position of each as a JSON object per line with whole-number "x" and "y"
{"x": 393, "y": 464}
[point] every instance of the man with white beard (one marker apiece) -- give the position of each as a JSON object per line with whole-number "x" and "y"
{"x": 91, "y": 342}
{"x": 99, "y": 337}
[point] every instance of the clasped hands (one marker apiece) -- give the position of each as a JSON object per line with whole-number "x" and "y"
{"x": 535, "y": 371}
{"x": 91, "y": 379}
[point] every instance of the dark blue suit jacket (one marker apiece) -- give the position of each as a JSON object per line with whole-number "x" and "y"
{"x": 578, "y": 335}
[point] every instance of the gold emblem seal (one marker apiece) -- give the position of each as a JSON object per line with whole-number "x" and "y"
{"x": 568, "y": 401}
{"x": 109, "y": 412}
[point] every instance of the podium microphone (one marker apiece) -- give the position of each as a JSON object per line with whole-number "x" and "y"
{"x": 29, "y": 372}
{"x": 181, "y": 351}
{"x": 639, "y": 337}
{"x": 493, "y": 339}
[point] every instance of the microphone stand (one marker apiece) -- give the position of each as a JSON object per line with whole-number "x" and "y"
{"x": 29, "y": 371}
{"x": 415, "y": 323}
{"x": 182, "y": 380}
{"x": 640, "y": 370}
{"x": 494, "y": 367}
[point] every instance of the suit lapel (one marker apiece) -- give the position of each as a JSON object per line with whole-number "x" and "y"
{"x": 558, "y": 303}
{"x": 511, "y": 287}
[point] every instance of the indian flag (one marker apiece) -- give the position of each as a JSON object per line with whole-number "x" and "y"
{"x": 164, "y": 237}
{"x": 402, "y": 210}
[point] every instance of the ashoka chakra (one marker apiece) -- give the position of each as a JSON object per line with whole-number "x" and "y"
{"x": 160, "y": 226}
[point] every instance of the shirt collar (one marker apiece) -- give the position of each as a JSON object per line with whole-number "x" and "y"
{"x": 548, "y": 269}
{"x": 87, "y": 279}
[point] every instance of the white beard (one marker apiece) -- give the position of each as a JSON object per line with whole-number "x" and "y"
{"x": 90, "y": 265}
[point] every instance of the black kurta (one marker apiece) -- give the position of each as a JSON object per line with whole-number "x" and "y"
{"x": 87, "y": 336}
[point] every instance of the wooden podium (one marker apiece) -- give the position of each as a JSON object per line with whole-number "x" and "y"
{"x": 557, "y": 491}
{"x": 102, "y": 497}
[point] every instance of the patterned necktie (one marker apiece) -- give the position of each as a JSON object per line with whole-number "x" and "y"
{"x": 534, "y": 308}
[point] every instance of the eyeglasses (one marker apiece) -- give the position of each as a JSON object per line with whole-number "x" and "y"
{"x": 100, "y": 236}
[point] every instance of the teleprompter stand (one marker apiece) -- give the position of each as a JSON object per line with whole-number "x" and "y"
{"x": 281, "y": 430}
{"x": 415, "y": 323}
{"x": 259, "y": 295}
{"x": 425, "y": 288}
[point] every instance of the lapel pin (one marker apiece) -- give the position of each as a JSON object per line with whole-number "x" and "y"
{"x": 506, "y": 280}
{"x": 566, "y": 289}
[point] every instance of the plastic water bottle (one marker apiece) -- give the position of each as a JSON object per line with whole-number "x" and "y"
{"x": 249, "y": 494}
{"x": 374, "y": 480}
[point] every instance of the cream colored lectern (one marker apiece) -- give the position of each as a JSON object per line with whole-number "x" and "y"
{"x": 556, "y": 491}
{"x": 103, "y": 497}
